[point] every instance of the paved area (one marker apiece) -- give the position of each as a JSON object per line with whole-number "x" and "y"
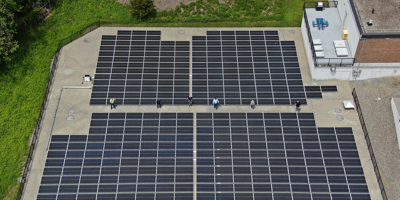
{"x": 79, "y": 58}
{"x": 385, "y": 17}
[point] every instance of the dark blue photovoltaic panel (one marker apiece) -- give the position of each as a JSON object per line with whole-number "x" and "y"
{"x": 238, "y": 156}
{"x": 136, "y": 68}
{"x": 121, "y": 156}
{"x": 275, "y": 155}
{"x": 239, "y": 66}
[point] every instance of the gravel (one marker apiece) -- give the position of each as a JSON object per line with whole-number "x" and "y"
{"x": 379, "y": 120}
{"x": 385, "y": 17}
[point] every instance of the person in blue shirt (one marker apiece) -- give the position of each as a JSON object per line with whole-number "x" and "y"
{"x": 215, "y": 102}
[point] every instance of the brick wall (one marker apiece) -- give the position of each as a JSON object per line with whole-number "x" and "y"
{"x": 378, "y": 50}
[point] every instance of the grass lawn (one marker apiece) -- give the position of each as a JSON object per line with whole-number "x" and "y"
{"x": 23, "y": 80}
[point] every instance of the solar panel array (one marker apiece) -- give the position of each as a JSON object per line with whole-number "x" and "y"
{"x": 136, "y": 68}
{"x": 239, "y": 66}
{"x": 125, "y": 156}
{"x": 238, "y": 156}
{"x": 275, "y": 156}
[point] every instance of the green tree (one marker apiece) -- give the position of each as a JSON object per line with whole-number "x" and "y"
{"x": 8, "y": 44}
{"x": 141, "y": 8}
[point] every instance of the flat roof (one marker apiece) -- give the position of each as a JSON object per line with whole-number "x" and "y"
{"x": 385, "y": 17}
{"x": 328, "y": 34}
{"x": 81, "y": 56}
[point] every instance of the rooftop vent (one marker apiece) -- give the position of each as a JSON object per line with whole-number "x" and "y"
{"x": 319, "y": 6}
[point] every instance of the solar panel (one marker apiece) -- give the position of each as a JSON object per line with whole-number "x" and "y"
{"x": 238, "y": 156}
{"x": 136, "y": 68}
{"x": 275, "y": 156}
{"x": 239, "y": 66}
{"x": 135, "y": 155}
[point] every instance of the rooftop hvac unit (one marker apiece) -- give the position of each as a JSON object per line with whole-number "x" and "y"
{"x": 319, "y": 6}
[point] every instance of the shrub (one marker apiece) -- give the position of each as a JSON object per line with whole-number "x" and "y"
{"x": 141, "y": 8}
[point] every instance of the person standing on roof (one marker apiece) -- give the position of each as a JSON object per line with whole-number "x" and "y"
{"x": 190, "y": 100}
{"x": 158, "y": 103}
{"x": 252, "y": 104}
{"x": 215, "y": 102}
{"x": 297, "y": 104}
{"x": 112, "y": 103}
